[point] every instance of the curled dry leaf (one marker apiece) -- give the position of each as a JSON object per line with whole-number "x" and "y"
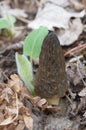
{"x": 42, "y": 103}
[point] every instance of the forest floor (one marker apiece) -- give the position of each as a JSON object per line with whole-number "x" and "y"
{"x": 18, "y": 109}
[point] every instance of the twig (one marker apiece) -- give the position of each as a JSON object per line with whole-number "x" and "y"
{"x": 23, "y": 19}
{"x": 76, "y": 50}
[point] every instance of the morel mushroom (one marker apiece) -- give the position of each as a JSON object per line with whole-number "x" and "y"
{"x": 50, "y": 80}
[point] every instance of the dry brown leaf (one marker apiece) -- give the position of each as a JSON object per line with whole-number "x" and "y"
{"x": 84, "y": 1}
{"x": 28, "y": 122}
{"x": 10, "y": 127}
{"x": 42, "y": 103}
{"x": 20, "y": 126}
{"x": 53, "y": 108}
{"x": 6, "y": 93}
{"x": 15, "y": 83}
{"x": 12, "y": 110}
{"x": 36, "y": 99}
{"x": 7, "y": 121}
{"x": 11, "y": 117}
{"x": 78, "y": 5}
{"x": 11, "y": 103}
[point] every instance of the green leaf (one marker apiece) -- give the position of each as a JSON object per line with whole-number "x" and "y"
{"x": 11, "y": 19}
{"x": 24, "y": 68}
{"x": 4, "y": 23}
{"x": 7, "y": 22}
{"x": 33, "y": 42}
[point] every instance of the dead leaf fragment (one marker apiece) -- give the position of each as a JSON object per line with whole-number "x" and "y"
{"x": 42, "y": 103}
{"x": 67, "y": 37}
{"x": 15, "y": 83}
{"x": 53, "y": 108}
{"x": 6, "y": 93}
{"x": 77, "y": 5}
{"x": 17, "y": 13}
{"x": 28, "y": 122}
{"x": 54, "y": 16}
{"x": 82, "y": 92}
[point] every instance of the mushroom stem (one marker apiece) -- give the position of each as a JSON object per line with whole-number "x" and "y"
{"x": 54, "y": 100}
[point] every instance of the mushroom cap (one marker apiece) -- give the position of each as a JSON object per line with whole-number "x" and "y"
{"x": 51, "y": 79}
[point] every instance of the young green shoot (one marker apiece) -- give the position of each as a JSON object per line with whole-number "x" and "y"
{"x": 31, "y": 48}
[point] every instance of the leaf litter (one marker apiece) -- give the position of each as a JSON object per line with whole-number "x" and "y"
{"x": 55, "y": 15}
{"x": 17, "y": 114}
{"x": 12, "y": 109}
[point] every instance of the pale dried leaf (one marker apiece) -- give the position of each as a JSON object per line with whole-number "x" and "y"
{"x": 54, "y": 16}
{"x": 7, "y": 121}
{"x": 62, "y": 3}
{"x": 12, "y": 110}
{"x": 84, "y": 115}
{"x": 28, "y": 122}
{"x": 82, "y": 92}
{"x": 18, "y": 13}
{"x": 67, "y": 37}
